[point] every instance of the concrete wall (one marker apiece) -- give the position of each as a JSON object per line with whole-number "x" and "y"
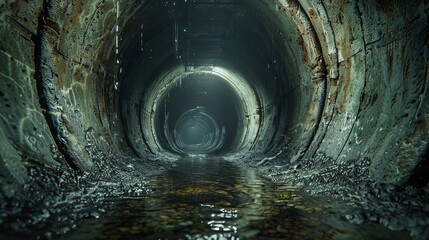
{"x": 58, "y": 97}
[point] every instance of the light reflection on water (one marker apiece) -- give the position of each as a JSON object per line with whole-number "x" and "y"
{"x": 214, "y": 199}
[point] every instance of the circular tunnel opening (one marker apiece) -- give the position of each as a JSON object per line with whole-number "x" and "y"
{"x": 319, "y": 94}
{"x": 200, "y": 113}
{"x": 242, "y": 65}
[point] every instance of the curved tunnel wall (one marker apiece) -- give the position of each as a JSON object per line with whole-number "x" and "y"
{"x": 220, "y": 47}
{"x": 210, "y": 100}
{"x": 348, "y": 81}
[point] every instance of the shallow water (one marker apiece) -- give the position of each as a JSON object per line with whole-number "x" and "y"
{"x": 214, "y": 199}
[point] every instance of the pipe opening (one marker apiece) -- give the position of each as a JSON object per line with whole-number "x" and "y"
{"x": 274, "y": 78}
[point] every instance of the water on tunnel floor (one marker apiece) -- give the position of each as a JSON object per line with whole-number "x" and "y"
{"x": 210, "y": 198}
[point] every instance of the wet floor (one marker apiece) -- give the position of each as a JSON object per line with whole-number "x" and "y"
{"x": 215, "y": 199}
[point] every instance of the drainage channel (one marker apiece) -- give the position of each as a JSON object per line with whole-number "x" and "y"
{"x": 210, "y": 198}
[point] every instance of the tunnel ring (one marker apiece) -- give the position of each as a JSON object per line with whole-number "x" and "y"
{"x": 310, "y": 47}
{"x": 161, "y": 86}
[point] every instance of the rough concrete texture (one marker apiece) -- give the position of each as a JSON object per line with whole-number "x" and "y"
{"x": 359, "y": 70}
{"x": 375, "y": 105}
{"x": 24, "y": 131}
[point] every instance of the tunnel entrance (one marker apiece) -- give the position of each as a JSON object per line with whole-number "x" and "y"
{"x": 98, "y": 97}
{"x": 201, "y": 113}
{"x": 171, "y": 49}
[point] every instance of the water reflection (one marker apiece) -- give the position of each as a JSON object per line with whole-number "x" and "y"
{"x": 211, "y": 198}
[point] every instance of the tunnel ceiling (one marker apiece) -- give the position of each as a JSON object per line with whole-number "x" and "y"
{"x": 265, "y": 82}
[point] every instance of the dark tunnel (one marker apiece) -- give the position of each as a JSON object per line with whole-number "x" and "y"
{"x": 99, "y": 97}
